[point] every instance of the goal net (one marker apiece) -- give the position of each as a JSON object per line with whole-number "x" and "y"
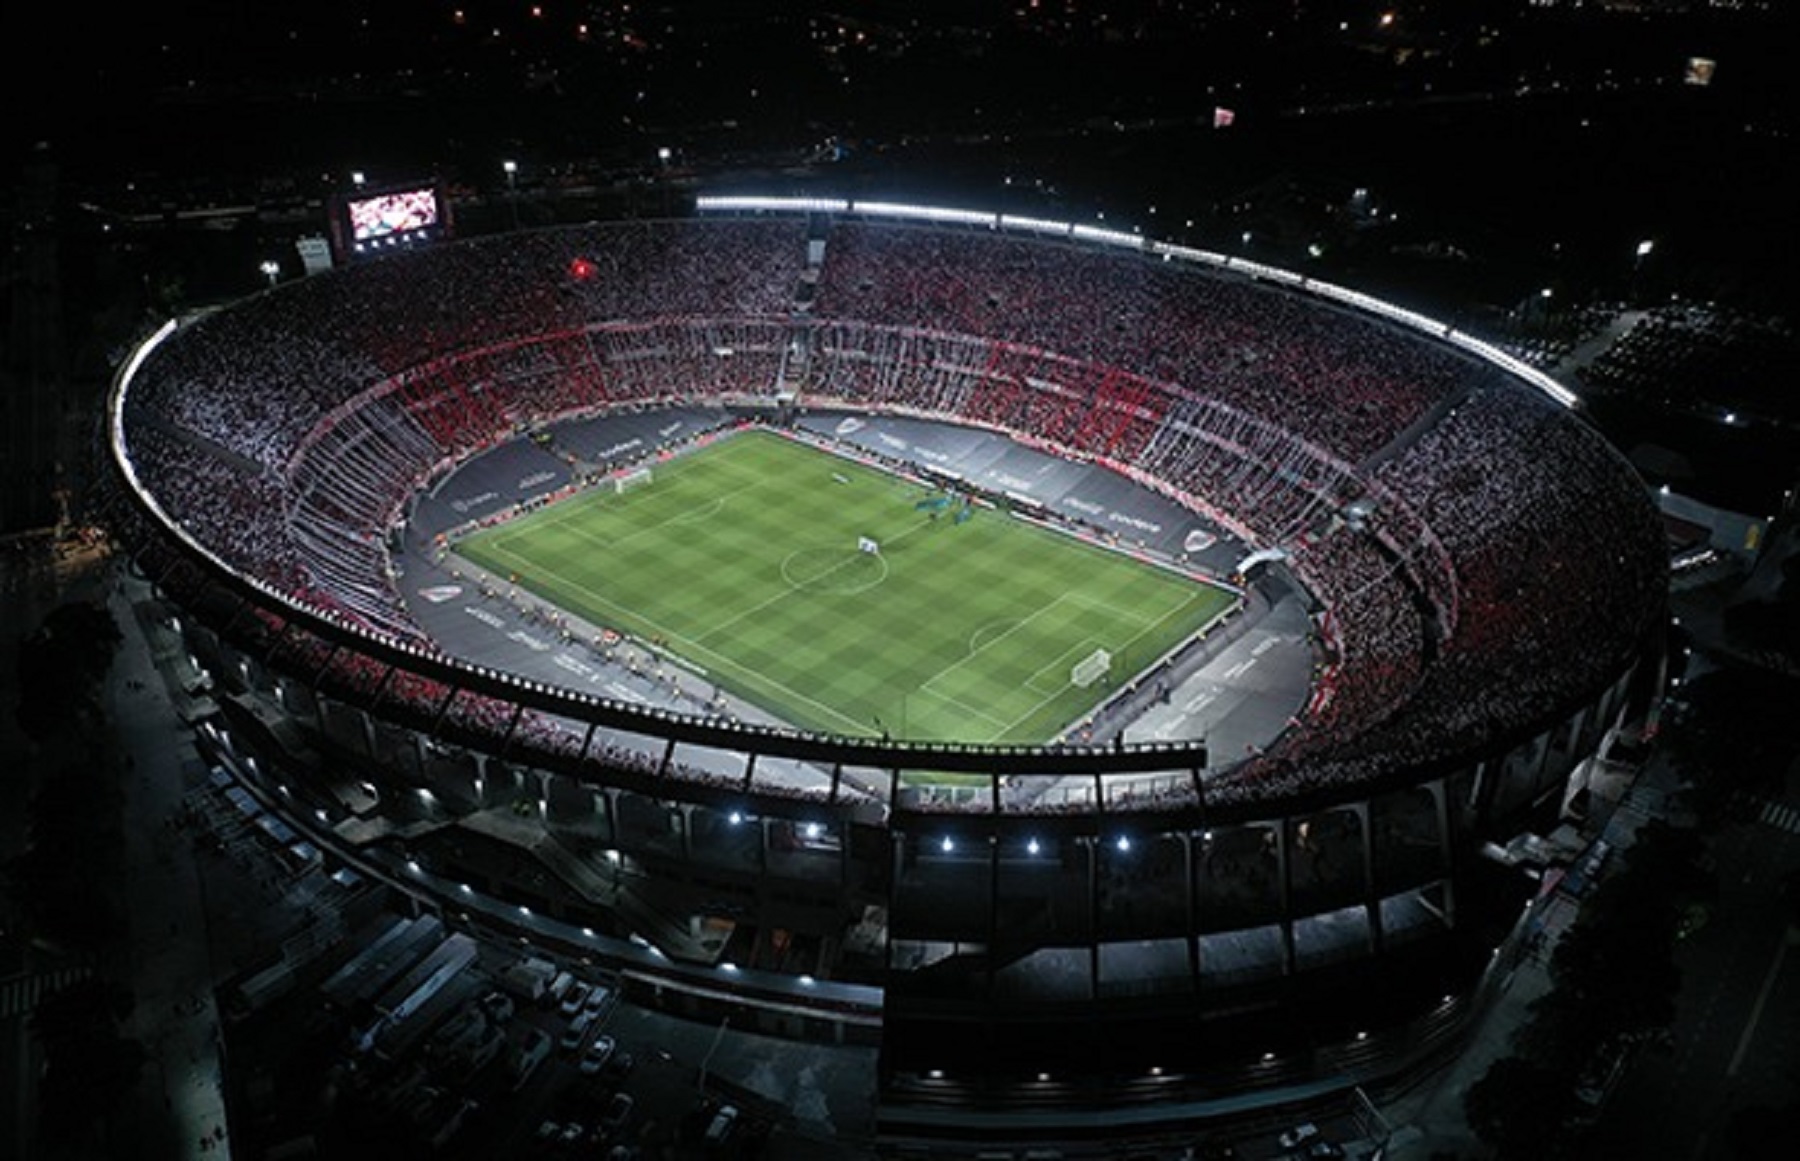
{"x": 1090, "y": 669}
{"x": 631, "y": 480}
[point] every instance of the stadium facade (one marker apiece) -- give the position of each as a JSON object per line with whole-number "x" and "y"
{"x": 1087, "y": 931}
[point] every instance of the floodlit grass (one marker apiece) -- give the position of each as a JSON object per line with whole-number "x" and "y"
{"x": 742, "y": 558}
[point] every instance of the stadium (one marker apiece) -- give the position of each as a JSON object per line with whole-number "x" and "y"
{"x": 1089, "y": 667}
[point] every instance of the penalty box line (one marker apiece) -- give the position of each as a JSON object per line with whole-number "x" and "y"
{"x": 720, "y": 661}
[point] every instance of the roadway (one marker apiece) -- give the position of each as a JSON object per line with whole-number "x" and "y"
{"x": 1736, "y": 1035}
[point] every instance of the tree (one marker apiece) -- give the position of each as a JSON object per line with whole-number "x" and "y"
{"x": 1520, "y": 1107}
{"x": 60, "y": 667}
{"x": 88, "y": 1067}
{"x": 1730, "y": 734}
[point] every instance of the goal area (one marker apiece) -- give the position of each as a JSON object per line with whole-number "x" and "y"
{"x": 629, "y": 481}
{"x": 1090, "y": 669}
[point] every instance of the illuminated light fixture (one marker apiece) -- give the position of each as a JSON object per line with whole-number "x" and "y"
{"x": 1107, "y": 237}
{"x": 1036, "y": 225}
{"x": 812, "y": 830}
{"x": 1032, "y": 847}
{"x": 1124, "y": 844}
{"x": 947, "y": 844}
{"x": 926, "y": 213}
{"x": 795, "y": 205}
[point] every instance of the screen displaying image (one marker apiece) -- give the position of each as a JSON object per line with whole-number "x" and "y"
{"x": 394, "y": 213}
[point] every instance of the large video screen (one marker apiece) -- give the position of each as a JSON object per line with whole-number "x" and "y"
{"x": 384, "y": 215}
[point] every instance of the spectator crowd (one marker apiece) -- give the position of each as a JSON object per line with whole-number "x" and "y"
{"x": 1500, "y": 561}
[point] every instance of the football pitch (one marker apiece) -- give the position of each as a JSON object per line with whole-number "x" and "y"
{"x": 743, "y": 558}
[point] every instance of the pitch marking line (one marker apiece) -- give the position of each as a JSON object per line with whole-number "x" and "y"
{"x": 1034, "y": 710}
{"x": 987, "y": 645}
{"x": 963, "y": 706}
{"x": 1119, "y": 612}
{"x": 560, "y": 514}
{"x": 1089, "y": 644}
{"x": 721, "y": 661}
{"x": 789, "y": 591}
{"x": 805, "y": 584}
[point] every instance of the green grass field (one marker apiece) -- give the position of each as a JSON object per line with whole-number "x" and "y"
{"x": 742, "y": 558}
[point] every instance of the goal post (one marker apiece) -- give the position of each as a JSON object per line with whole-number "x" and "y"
{"x": 1090, "y": 669}
{"x": 631, "y": 480}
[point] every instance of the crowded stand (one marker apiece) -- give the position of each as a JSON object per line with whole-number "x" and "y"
{"x": 234, "y": 511}
{"x": 1279, "y": 356}
{"x": 287, "y": 434}
{"x": 1526, "y": 584}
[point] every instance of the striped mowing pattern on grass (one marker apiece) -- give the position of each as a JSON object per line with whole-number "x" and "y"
{"x": 742, "y": 557}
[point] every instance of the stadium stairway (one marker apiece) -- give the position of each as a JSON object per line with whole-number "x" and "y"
{"x": 1411, "y": 433}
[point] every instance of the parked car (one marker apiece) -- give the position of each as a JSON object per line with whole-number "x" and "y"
{"x": 577, "y": 1032}
{"x": 597, "y": 1054}
{"x": 718, "y": 1130}
{"x": 618, "y": 1113}
{"x": 574, "y": 998}
{"x": 1298, "y": 1135}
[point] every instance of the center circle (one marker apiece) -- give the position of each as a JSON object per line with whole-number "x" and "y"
{"x": 833, "y": 571}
